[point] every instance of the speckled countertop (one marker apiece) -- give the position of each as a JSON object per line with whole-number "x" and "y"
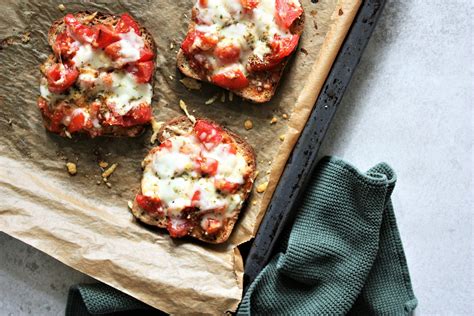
{"x": 409, "y": 104}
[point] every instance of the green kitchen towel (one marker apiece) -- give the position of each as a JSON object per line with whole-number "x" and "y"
{"x": 341, "y": 255}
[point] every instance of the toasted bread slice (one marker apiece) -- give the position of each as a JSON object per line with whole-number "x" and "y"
{"x": 79, "y": 100}
{"x": 263, "y": 84}
{"x": 182, "y": 126}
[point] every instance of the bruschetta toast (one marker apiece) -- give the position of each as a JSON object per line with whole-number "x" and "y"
{"x": 99, "y": 79}
{"x": 241, "y": 45}
{"x": 196, "y": 182}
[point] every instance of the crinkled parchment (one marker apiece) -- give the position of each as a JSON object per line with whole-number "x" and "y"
{"x": 88, "y": 226}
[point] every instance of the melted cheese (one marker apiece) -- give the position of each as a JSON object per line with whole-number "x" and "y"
{"x": 171, "y": 176}
{"x": 251, "y": 31}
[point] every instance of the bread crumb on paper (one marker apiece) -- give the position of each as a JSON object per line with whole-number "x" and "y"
{"x": 107, "y": 173}
{"x": 341, "y": 12}
{"x": 183, "y": 107}
{"x": 282, "y": 137}
{"x": 285, "y": 116}
{"x": 212, "y": 100}
{"x": 190, "y": 83}
{"x": 108, "y": 184}
{"x": 68, "y": 135}
{"x": 156, "y": 126}
{"x": 248, "y": 124}
{"x": 61, "y": 7}
{"x": 304, "y": 51}
{"x": 262, "y": 187}
{"x": 274, "y": 120}
{"x": 103, "y": 164}
{"x": 25, "y": 37}
{"x": 71, "y": 168}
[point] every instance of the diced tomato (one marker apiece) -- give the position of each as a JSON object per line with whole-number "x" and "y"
{"x": 196, "y": 198}
{"x": 62, "y": 46}
{"x": 211, "y": 225}
{"x": 226, "y": 186}
{"x": 43, "y": 106}
{"x": 61, "y": 77}
{"x": 106, "y": 36}
{"x": 139, "y": 115}
{"x": 178, "y": 227}
{"x": 150, "y": 204}
{"x": 57, "y": 117}
{"x": 208, "y": 165}
{"x": 208, "y": 134}
{"x": 79, "y": 31}
{"x": 146, "y": 54}
{"x": 198, "y": 41}
{"x": 143, "y": 71}
{"x": 249, "y": 4}
{"x": 233, "y": 79}
{"x": 281, "y": 48}
{"x": 113, "y": 50}
{"x": 77, "y": 122}
{"x": 232, "y": 149}
{"x": 127, "y": 23}
{"x": 227, "y": 52}
{"x": 166, "y": 144}
{"x": 203, "y": 3}
{"x": 287, "y": 11}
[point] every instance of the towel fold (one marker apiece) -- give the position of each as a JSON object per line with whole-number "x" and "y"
{"x": 342, "y": 254}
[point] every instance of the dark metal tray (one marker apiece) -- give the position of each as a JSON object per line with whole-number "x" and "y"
{"x": 303, "y": 158}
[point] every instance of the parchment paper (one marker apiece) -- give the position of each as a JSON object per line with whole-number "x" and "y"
{"x": 88, "y": 226}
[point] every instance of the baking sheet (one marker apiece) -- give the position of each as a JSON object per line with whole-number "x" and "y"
{"x": 88, "y": 226}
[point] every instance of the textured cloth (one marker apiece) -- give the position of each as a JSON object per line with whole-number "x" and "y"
{"x": 341, "y": 255}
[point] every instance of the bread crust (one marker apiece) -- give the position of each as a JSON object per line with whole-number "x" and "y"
{"x": 96, "y": 18}
{"x": 263, "y": 84}
{"x": 183, "y": 123}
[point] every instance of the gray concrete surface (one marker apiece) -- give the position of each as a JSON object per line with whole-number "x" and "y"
{"x": 409, "y": 104}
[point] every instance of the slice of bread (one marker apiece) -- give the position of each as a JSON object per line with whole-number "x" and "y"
{"x": 91, "y": 19}
{"x": 263, "y": 84}
{"x": 183, "y": 126}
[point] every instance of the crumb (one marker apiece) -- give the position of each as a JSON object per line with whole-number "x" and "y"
{"x": 211, "y": 100}
{"x": 268, "y": 172}
{"x": 103, "y": 164}
{"x": 68, "y": 135}
{"x": 315, "y": 24}
{"x": 282, "y": 137}
{"x": 61, "y": 7}
{"x": 254, "y": 203}
{"x": 171, "y": 45}
{"x": 262, "y": 187}
{"x": 71, "y": 168}
{"x": 130, "y": 204}
{"x": 183, "y": 107}
{"x": 340, "y": 12}
{"x": 274, "y": 120}
{"x": 10, "y": 122}
{"x": 109, "y": 171}
{"x": 156, "y": 126}
{"x": 304, "y": 51}
{"x": 25, "y": 38}
{"x": 269, "y": 162}
{"x": 171, "y": 77}
{"x": 223, "y": 97}
{"x": 231, "y": 96}
{"x": 313, "y": 12}
{"x": 98, "y": 182}
{"x": 248, "y": 124}
{"x": 108, "y": 184}
{"x": 190, "y": 83}
{"x": 285, "y": 116}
